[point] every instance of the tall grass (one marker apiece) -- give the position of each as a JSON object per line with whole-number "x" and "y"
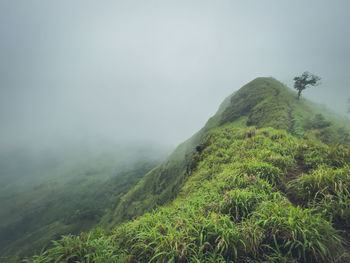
{"x": 326, "y": 189}
{"x": 229, "y": 210}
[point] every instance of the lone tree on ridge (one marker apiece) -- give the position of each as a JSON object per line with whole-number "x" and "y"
{"x": 304, "y": 81}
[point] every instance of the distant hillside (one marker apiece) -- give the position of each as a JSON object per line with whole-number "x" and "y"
{"x": 267, "y": 179}
{"x": 55, "y": 196}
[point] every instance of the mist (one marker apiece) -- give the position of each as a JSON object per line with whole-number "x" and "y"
{"x": 82, "y": 72}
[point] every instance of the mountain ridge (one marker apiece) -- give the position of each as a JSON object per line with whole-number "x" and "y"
{"x": 266, "y": 179}
{"x": 263, "y": 102}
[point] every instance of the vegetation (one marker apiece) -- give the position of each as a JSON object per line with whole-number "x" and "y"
{"x": 263, "y": 102}
{"x": 326, "y": 189}
{"x": 265, "y": 180}
{"x": 73, "y": 198}
{"x": 304, "y": 81}
{"x": 231, "y": 209}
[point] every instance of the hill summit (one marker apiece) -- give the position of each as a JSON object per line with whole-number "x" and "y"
{"x": 267, "y": 179}
{"x": 263, "y": 102}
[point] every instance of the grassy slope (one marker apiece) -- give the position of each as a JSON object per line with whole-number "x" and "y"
{"x": 234, "y": 207}
{"x": 163, "y": 183}
{"x": 234, "y": 186}
{"x": 264, "y": 102}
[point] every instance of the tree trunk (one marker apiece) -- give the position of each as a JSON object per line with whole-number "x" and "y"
{"x": 299, "y": 93}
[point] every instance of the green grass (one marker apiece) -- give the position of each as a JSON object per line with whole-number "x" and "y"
{"x": 263, "y": 102}
{"x": 229, "y": 210}
{"x": 326, "y": 189}
{"x": 222, "y": 196}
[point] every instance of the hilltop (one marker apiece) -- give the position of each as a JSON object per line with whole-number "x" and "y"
{"x": 263, "y": 102}
{"x": 267, "y": 179}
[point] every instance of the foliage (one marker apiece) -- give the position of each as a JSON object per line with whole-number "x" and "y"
{"x": 264, "y": 102}
{"x": 230, "y": 209}
{"x": 304, "y": 81}
{"x": 318, "y": 122}
{"x": 296, "y": 233}
{"x": 327, "y": 189}
{"x": 234, "y": 192}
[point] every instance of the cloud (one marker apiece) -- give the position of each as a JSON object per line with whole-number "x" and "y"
{"x": 155, "y": 70}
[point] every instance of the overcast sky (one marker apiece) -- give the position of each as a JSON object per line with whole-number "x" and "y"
{"x": 156, "y": 70}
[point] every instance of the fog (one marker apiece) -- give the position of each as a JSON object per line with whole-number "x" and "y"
{"x": 89, "y": 71}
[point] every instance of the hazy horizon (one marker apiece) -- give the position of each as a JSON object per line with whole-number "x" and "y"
{"x": 88, "y": 71}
